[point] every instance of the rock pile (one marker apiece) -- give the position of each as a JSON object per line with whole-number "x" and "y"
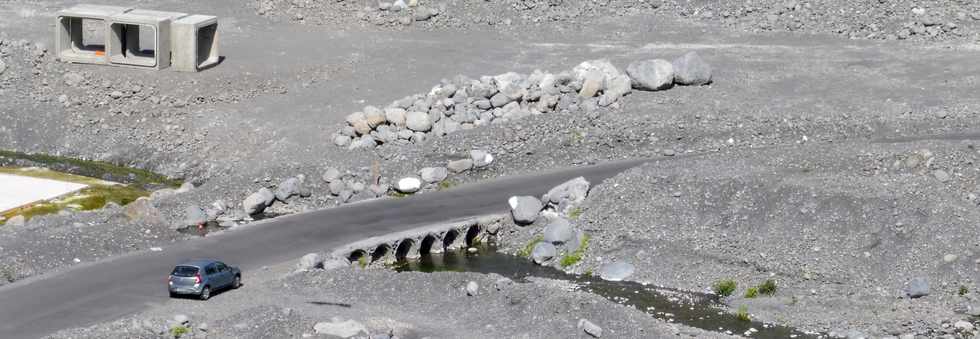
{"x": 257, "y": 202}
{"x": 463, "y": 103}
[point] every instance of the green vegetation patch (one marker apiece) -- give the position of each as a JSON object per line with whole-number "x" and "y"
{"x": 526, "y": 251}
{"x": 768, "y": 287}
{"x": 574, "y": 257}
{"x": 743, "y": 313}
{"x": 752, "y": 292}
{"x": 97, "y": 195}
{"x": 95, "y": 169}
{"x": 725, "y": 287}
{"x": 446, "y": 184}
{"x": 179, "y": 331}
{"x": 575, "y": 213}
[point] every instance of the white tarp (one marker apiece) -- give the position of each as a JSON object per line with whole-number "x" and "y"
{"x": 16, "y": 191}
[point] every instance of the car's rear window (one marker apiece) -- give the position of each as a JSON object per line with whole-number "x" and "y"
{"x": 184, "y": 271}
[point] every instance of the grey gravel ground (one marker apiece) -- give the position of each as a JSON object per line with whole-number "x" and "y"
{"x": 280, "y": 304}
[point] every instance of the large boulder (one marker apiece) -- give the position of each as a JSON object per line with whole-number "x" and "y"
{"x": 615, "y": 88}
{"x": 434, "y": 174}
{"x": 605, "y": 68}
{"x": 359, "y": 122}
{"x": 310, "y": 262}
{"x": 408, "y": 185}
{"x": 525, "y": 209}
{"x": 396, "y": 116}
{"x": 651, "y": 75}
{"x": 418, "y": 121}
{"x": 590, "y": 328}
{"x": 616, "y": 271}
{"x": 592, "y": 83}
{"x": 374, "y": 116}
{"x": 342, "y": 329}
{"x": 258, "y": 201}
{"x": 481, "y": 158}
{"x": 567, "y": 195}
{"x": 331, "y": 175}
{"x": 559, "y": 231}
{"x": 141, "y": 211}
{"x": 459, "y": 166}
{"x": 543, "y": 252}
{"x": 288, "y": 188}
{"x": 689, "y": 70}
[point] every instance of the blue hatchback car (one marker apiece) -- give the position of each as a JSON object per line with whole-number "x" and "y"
{"x": 202, "y": 277}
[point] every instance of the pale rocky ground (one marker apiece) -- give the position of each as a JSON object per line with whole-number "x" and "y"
{"x": 798, "y": 113}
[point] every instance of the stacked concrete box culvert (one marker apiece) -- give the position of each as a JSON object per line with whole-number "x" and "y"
{"x": 81, "y": 33}
{"x": 122, "y": 36}
{"x": 195, "y": 42}
{"x": 140, "y": 38}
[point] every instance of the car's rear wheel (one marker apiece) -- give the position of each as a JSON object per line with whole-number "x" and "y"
{"x": 205, "y": 293}
{"x": 173, "y": 295}
{"x": 237, "y": 283}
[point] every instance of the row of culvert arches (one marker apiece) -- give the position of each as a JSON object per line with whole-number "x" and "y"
{"x": 414, "y": 247}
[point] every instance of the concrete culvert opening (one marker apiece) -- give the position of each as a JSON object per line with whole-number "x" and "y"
{"x": 207, "y": 51}
{"x": 450, "y": 238}
{"x": 472, "y": 234}
{"x": 426, "y": 246}
{"x": 404, "y": 249}
{"x": 356, "y": 256}
{"x": 380, "y": 252}
{"x": 134, "y": 44}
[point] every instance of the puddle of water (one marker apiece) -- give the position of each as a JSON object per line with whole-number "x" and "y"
{"x": 213, "y": 226}
{"x": 692, "y": 309}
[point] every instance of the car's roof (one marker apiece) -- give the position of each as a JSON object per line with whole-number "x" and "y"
{"x": 198, "y": 262}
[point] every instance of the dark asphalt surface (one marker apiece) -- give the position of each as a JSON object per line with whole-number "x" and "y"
{"x": 115, "y": 287}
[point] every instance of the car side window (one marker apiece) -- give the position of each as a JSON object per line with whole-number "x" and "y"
{"x": 209, "y": 270}
{"x": 222, "y": 267}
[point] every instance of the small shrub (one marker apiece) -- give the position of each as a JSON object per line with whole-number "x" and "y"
{"x": 768, "y": 287}
{"x": 526, "y": 251}
{"x": 725, "y": 287}
{"x": 743, "y": 313}
{"x": 588, "y": 272}
{"x": 575, "y": 213}
{"x": 8, "y": 274}
{"x": 964, "y": 290}
{"x": 178, "y": 331}
{"x": 752, "y": 292}
{"x": 575, "y": 257}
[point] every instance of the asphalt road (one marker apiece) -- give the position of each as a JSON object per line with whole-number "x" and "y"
{"x": 112, "y": 288}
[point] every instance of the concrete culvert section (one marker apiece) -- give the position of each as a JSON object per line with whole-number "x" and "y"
{"x": 356, "y": 255}
{"x": 380, "y": 252}
{"x": 449, "y": 239}
{"x": 426, "y": 246}
{"x": 404, "y": 249}
{"x": 472, "y": 235}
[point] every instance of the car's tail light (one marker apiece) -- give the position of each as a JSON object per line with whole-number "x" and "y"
{"x": 197, "y": 279}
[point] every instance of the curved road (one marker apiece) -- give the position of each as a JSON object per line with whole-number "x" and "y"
{"x": 118, "y": 286}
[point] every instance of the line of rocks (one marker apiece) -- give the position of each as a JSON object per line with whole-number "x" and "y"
{"x": 463, "y": 103}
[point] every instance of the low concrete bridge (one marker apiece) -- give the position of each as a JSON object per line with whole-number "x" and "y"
{"x": 412, "y": 244}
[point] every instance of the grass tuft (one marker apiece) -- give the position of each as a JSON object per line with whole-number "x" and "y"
{"x": 526, "y": 251}
{"x": 743, "y": 313}
{"x": 964, "y": 290}
{"x": 179, "y": 331}
{"x": 752, "y": 292}
{"x": 575, "y": 257}
{"x": 768, "y": 287}
{"x": 575, "y": 213}
{"x": 363, "y": 261}
{"x": 725, "y": 287}
{"x": 446, "y": 184}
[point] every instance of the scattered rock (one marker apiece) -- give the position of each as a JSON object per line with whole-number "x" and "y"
{"x": 142, "y": 211}
{"x": 481, "y": 158}
{"x": 472, "y": 288}
{"x": 950, "y": 258}
{"x": 182, "y": 319}
{"x": 543, "y": 252}
{"x": 690, "y": 70}
{"x": 258, "y": 201}
{"x": 73, "y": 79}
{"x": 917, "y": 288}
{"x": 288, "y": 188}
{"x": 418, "y": 121}
{"x": 616, "y": 271}
{"x": 343, "y": 329}
{"x": 567, "y": 195}
{"x": 3, "y": 67}
{"x": 651, "y": 75}
{"x": 525, "y": 209}
{"x": 434, "y": 174}
{"x": 310, "y": 261}
{"x": 963, "y": 326}
{"x": 331, "y": 175}
{"x": 941, "y": 175}
{"x": 408, "y": 185}
{"x": 459, "y": 166}
{"x": 590, "y": 328}
{"x": 559, "y": 231}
